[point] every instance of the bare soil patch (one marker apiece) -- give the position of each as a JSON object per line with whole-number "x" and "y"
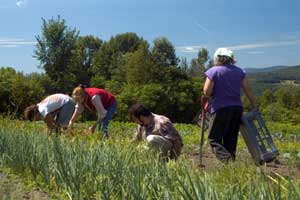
{"x": 284, "y": 167}
{"x": 11, "y": 187}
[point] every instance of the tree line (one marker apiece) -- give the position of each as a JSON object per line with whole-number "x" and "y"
{"x": 126, "y": 65}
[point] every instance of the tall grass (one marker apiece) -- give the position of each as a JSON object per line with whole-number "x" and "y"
{"x": 89, "y": 168}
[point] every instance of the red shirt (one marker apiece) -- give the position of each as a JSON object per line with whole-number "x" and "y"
{"x": 106, "y": 97}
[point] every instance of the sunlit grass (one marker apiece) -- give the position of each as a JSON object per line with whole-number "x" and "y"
{"x": 81, "y": 167}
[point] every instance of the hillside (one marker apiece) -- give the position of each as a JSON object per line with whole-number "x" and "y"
{"x": 265, "y": 69}
{"x": 271, "y": 77}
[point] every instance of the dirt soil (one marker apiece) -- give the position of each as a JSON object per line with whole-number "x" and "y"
{"x": 210, "y": 163}
{"x": 11, "y": 187}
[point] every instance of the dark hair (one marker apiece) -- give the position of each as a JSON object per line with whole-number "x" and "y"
{"x": 30, "y": 112}
{"x": 138, "y": 110}
{"x": 225, "y": 60}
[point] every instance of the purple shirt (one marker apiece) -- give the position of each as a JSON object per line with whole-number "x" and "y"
{"x": 227, "y": 86}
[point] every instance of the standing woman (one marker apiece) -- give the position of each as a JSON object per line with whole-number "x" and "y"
{"x": 95, "y": 100}
{"x": 223, "y": 84}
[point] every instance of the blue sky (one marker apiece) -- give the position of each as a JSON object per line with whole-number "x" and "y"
{"x": 261, "y": 33}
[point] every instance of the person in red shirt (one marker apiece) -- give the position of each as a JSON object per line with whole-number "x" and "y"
{"x": 95, "y": 100}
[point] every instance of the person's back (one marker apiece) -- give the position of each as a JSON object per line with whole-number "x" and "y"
{"x": 106, "y": 97}
{"x": 223, "y": 84}
{"x": 56, "y": 110}
{"x": 227, "y": 85}
{"x": 53, "y": 102}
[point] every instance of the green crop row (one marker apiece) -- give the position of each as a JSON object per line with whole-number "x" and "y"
{"x": 80, "y": 167}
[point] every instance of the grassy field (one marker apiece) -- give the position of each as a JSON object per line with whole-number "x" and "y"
{"x": 89, "y": 167}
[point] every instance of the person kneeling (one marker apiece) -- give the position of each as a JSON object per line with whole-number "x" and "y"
{"x": 159, "y": 131}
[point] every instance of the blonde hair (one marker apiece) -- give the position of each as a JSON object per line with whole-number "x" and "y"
{"x": 78, "y": 93}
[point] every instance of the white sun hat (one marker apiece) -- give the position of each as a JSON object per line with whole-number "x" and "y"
{"x": 223, "y": 52}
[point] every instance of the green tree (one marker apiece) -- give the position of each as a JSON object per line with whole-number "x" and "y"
{"x": 163, "y": 53}
{"x": 7, "y": 75}
{"x": 18, "y": 91}
{"x": 183, "y": 64}
{"x": 198, "y": 65}
{"x": 139, "y": 66}
{"x": 86, "y": 47}
{"x": 108, "y": 62}
{"x": 55, "y": 49}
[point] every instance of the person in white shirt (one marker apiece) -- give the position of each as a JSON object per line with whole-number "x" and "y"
{"x": 56, "y": 110}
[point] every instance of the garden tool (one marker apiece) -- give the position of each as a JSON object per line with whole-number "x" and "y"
{"x": 204, "y": 108}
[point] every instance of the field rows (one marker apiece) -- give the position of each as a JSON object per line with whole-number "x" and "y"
{"x": 79, "y": 167}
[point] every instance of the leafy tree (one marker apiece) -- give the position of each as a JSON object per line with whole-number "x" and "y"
{"x": 108, "y": 62}
{"x": 183, "y": 64}
{"x": 195, "y": 68}
{"x": 86, "y": 47}
{"x": 7, "y": 75}
{"x": 18, "y": 91}
{"x": 198, "y": 65}
{"x": 164, "y": 61}
{"x": 55, "y": 49}
{"x": 163, "y": 53}
{"x": 139, "y": 66}
{"x": 202, "y": 58}
{"x": 126, "y": 98}
{"x": 266, "y": 98}
{"x": 183, "y": 101}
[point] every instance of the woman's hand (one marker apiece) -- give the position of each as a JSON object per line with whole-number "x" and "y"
{"x": 91, "y": 129}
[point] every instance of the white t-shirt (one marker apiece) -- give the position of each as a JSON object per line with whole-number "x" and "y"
{"x": 52, "y": 103}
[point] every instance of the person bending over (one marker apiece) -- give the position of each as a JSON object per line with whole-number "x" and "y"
{"x": 158, "y": 130}
{"x": 95, "y": 100}
{"x": 56, "y": 110}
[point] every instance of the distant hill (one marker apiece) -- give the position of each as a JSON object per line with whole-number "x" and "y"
{"x": 265, "y": 69}
{"x": 271, "y": 77}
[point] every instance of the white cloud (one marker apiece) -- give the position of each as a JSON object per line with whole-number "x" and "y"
{"x": 8, "y": 46}
{"x": 256, "y": 52}
{"x": 189, "y": 49}
{"x": 21, "y": 3}
{"x": 196, "y": 48}
{"x": 13, "y": 42}
{"x": 262, "y": 45}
